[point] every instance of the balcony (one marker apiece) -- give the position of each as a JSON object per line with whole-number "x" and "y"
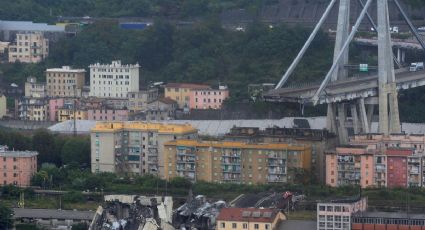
{"x": 232, "y": 170}
{"x": 276, "y": 179}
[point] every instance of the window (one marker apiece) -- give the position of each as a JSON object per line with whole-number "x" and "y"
{"x": 245, "y": 226}
{"x": 267, "y": 226}
{"x": 256, "y": 226}
{"x": 223, "y": 225}
{"x": 234, "y": 225}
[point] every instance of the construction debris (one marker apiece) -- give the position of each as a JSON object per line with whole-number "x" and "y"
{"x": 130, "y": 212}
{"x": 197, "y": 213}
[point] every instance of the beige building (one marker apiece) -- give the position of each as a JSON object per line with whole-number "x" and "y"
{"x": 249, "y": 219}
{"x": 65, "y": 114}
{"x": 133, "y": 147}
{"x": 34, "y": 89}
{"x": 236, "y": 162}
{"x": 65, "y": 82}
{"x": 3, "y": 106}
{"x": 32, "y": 108}
{"x": 31, "y": 47}
{"x": 181, "y": 92}
{"x": 139, "y": 101}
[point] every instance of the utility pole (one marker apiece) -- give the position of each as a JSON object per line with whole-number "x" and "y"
{"x": 74, "y": 111}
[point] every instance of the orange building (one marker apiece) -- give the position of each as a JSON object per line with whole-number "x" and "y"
{"x": 17, "y": 167}
{"x": 236, "y": 162}
{"x": 349, "y": 165}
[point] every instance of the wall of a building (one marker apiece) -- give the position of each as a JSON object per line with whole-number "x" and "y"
{"x": 17, "y": 170}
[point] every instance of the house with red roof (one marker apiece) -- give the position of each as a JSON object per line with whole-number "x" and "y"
{"x": 249, "y": 219}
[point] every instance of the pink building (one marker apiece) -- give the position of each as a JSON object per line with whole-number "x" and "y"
{"x": 108, "y": 114}
{"x": 54, "y": 105}
{"x": 208, "y": 98}
{"x": 397, "y": 160}
{"x": 17, "y": 167}
{"x": 350, "y": 165}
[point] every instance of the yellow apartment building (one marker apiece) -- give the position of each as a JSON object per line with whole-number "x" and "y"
{"x": 237, "y": 162}
{"x": 66, "y": 114}
{"x": 180, "y": 92}
{"x": 134, "y": 147}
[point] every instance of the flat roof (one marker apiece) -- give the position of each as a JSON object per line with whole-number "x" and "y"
{"x": 9, "y": 153}
{"x": 52, "y": 214}
{"x": 235, "y": 144}
{"x": 67, "y": 69}
{"x": 392, "y": 215}
{"x": 143, "y": 126}
{"x": 29, "y": 26}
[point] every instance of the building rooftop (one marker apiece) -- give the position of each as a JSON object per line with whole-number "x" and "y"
{"x": 67, "y": 69}
{"x": 4, "y": 152}
{"x": 235, "y": 144}
{"x": 29, "y": 26}
{"x": 143, "y": 126}
{"x": 187, "y": 85}
{"x": 167, "y": 100}
{"x": 52, "y": 214}
{"x": 114, "y": 64}
{"x": 248, "y": 214}
{"x": 392, "y": 215}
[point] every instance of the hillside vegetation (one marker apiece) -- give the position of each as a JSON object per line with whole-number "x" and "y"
{"x": 203, "y": 53}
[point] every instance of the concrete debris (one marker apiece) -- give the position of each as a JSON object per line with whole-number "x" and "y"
{"x": 197, "y": 213}
{"x": 130, "y": 212}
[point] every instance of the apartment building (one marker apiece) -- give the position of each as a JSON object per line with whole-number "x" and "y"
{"x": 249, "y": 218}
{"x": 65, "y": 82}
{"x": 236, "y": 162}
{"x": 113, "y": 80}
{"x": 134, "y": 147}
{"x": 181, "y": 92}
{"x": 3, "y": 106}
{"x": 336, "y": 214}
{"x": 17, "y": 167}
{"x": 138, "y": 101}
{"x": 107, "y": 114}
{"x": 68, "y": 113}
{"x": 32, "y": 109}
{"x": 357, "y": 165}
{"x": 30, "y": 47}
{"x": 208, "y": 98}
{"x": 319, "y": 140}
{"x": 34, "y": 89}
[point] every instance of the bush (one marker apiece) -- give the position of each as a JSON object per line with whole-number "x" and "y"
{"x": 73, "y": 197}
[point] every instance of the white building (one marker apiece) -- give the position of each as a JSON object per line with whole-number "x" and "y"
{"x": 113, "y": 80}
{"x": 336, "y": 214}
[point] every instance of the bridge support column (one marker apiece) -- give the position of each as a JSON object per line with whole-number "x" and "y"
{"x": 342, "y": 32}
{"x": 388, "y": 103}
{"x": 355, "y": 118}
{"x": 342, "y": 128}
{"x": 401, "y": 54}
{"x": 363, "y": 116}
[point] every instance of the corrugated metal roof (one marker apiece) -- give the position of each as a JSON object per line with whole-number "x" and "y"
{"x": 29, "y": 26}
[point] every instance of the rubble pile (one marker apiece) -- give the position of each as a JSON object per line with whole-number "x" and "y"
{"x": 197, "y": 213}
{"x": 128, "y": 212}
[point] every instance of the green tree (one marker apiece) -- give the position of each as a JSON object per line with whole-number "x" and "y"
{"x": 76, "y": 150}
{"x": 43, "y": 142}
{"x": 6, "y": 214}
